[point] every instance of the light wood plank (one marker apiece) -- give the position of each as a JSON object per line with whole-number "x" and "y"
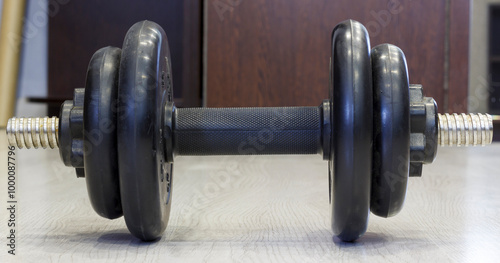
{"x": 259, "y": 209}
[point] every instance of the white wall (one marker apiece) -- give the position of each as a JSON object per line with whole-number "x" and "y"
{"x": 478, "y": 65}
{"x": 34, "y": 64}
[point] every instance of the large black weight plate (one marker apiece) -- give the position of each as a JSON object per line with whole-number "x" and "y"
{"x": 391, "y": 145}
{"x": 352, "y": 130}
{"x": 144, "y": 87}
{"x": 99, "y": 124}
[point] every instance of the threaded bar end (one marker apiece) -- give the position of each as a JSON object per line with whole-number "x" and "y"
{"x": 465, "y": 129}
{"x": 33, "y": 132}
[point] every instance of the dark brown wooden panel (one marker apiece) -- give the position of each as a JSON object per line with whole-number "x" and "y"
{"x": 276, "y": 53}
{"x": 496, "y": 130}
{"x": 191, "y": 61}
{"x": 458, "y": 83}
{"x": 80, "y": 28}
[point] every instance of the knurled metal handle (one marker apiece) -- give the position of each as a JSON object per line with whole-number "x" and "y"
{"x": 246, "y": 131}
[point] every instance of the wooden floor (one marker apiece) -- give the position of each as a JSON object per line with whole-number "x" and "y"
{"x": 258, "y": 209}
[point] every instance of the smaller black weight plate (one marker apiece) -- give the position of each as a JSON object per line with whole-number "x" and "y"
{"x": 99, "y": 124}
{"x": 352, "y": 130}
{"x": 144, "y": 90}
{"x": 391, "y": 118}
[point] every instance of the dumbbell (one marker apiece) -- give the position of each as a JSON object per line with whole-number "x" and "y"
{"x": 122, "y": 131}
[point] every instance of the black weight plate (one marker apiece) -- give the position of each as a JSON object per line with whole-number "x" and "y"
{"x": 352, "y": 130}
{"x": 144, "y": 87}
{"x": 391, "y": 120}
{"x": 99, "y": 123}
